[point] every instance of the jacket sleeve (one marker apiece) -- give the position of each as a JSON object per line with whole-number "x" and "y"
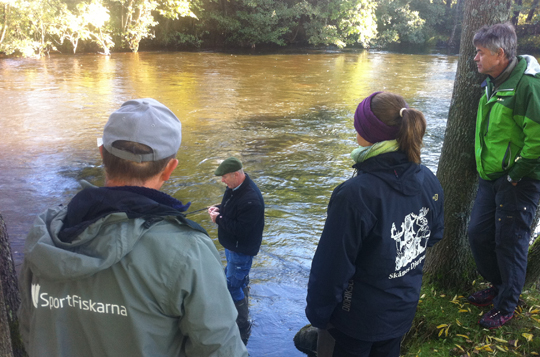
{"x": 201, "y": 298}
{"x": 334, "y": 262}
{"x": 246, "y": 219}
{"x": 530, "y": 153}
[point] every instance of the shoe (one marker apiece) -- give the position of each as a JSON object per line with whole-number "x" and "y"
{"x": 494, "y": 319}
{"x": 483, "y": 297}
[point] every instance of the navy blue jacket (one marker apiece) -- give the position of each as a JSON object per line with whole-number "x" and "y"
{"x": 367, "y": 271}
{"x": 241, "y": 218}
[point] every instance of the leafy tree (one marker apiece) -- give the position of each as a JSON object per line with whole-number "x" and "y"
{"x": 28, "y": 25}
{"x": 341, "y": 23}
{"x": 396, "y": 22}
{"x": 248, "y": 23}
{"x": 87, "y": 22}
{"x": 136, "y": 17}
{"x": 96, "y": 16}
{"x": 532, "y": 10}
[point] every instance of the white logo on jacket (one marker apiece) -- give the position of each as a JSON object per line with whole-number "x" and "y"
{"x": 412, "y": 240}
{"x": 35, "y": 294}
{"x": 75, "y": 302}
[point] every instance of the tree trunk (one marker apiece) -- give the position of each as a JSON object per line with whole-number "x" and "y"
{"x": 5, "y": 335}
{"x": 533, "y": 264}
{"x": 450, "y": 263}
{"x": 10, "y": 301}
{"x": 5, "y": 24}
{"x": 457, "y": 15}
{"x": 531, "y": 11}
{"x": 515, "y": 18}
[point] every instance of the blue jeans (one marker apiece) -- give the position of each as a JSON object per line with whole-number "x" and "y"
{"x": 499, "y": 234}
{"x": 237, "y": 271}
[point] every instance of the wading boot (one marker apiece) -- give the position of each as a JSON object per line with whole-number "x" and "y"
{"x": 243, "y": 322}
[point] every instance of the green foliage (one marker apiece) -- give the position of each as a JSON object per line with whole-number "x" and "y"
{"x": 36, "y": 27}
{"x": 447, "y": 325}
{"x": 30, "y": 24}
{"x": 248, "y": 23}
{"x": 32, "y": 27}
{"x": 341, "y": 23}
{"x": 397, "y": 22}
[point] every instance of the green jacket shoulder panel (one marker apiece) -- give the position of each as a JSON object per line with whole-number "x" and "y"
{"x": 508, "y": 125}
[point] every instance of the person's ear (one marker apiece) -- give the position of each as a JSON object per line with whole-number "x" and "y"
{"x": 167, "y": 172}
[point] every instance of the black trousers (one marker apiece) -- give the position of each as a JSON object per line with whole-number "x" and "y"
{"x": 334, "y": 343}
{"x": 499, "y": 235}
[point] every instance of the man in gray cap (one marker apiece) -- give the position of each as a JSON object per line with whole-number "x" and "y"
{"x": 240, "y": 220}
{"x": 120, "y": 271}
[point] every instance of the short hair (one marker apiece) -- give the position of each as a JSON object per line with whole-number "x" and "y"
{"x": 498, "y": 36}
{"x": 130, "y": 171}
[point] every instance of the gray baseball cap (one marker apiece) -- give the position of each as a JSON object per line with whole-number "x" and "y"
{"x": 144, "y": 121}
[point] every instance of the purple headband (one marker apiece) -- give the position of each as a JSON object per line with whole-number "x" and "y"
{"x": 369, "y": 126}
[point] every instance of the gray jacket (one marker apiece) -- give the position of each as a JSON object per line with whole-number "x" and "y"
{"x": 131, "y": 278}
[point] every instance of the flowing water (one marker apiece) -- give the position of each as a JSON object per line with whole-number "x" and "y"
{"x": 288, "y": 117}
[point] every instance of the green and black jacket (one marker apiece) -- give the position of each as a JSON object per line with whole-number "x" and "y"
{"x": 507, "y": 139}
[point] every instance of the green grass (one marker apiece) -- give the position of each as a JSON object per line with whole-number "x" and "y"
{"x": 447, "y": 325}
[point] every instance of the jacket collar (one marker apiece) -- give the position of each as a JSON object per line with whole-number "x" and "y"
{"x": 242, "y": 187}
{"x": 525, "y": 65}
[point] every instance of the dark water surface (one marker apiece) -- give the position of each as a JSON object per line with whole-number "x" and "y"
{"x": 288, "y": 117}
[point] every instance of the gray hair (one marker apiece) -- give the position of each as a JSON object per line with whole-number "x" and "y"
{"x": 498, "y": 36}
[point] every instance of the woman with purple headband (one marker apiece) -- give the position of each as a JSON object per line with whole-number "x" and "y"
{"x": 366, "y": 274}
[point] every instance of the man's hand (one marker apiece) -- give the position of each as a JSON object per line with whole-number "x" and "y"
{"x": 213, "y": 211}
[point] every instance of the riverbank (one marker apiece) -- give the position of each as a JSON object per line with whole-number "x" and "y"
{"x": 447, "y": 325}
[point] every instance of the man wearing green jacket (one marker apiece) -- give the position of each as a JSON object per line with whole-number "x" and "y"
{"x": 507, "y": 151}
{"x": 119, "y": 271}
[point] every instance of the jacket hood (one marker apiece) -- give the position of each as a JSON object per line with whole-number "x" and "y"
{"x": 96, "y": 230}
{"x": 533, "y": 68}
{"x": 394, "y": 168}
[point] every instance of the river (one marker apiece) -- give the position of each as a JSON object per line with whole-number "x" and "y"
{"x": 287, "y": 116}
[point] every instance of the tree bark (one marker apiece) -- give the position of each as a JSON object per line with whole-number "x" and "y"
{"x": 515, "y": 18}
{"x": 533, "y": 264}
{"x": 450, "y": 263}
{"x": 531, "y": 11}
{"x": 10, "y": 300}
{"x": 5, "y": 335}
{"x": 457, "y": 15}
{"x": 5, "y": 24}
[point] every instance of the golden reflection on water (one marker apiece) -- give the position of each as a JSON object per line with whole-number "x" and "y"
{"x": 287, "y": 116}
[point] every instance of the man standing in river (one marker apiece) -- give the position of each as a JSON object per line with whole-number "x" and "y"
{"x": 120, "y": 271}
{"x": 240, "y": 220}
{"x": 507, "y": 151}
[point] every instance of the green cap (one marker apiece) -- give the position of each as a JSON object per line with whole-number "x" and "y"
{"x": 228, "y": 165}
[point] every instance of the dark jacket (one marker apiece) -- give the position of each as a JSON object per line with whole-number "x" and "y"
{"x": 120, "y": 272}
{"x": 241, "y": 218}
{"x": 366, "y": 273}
